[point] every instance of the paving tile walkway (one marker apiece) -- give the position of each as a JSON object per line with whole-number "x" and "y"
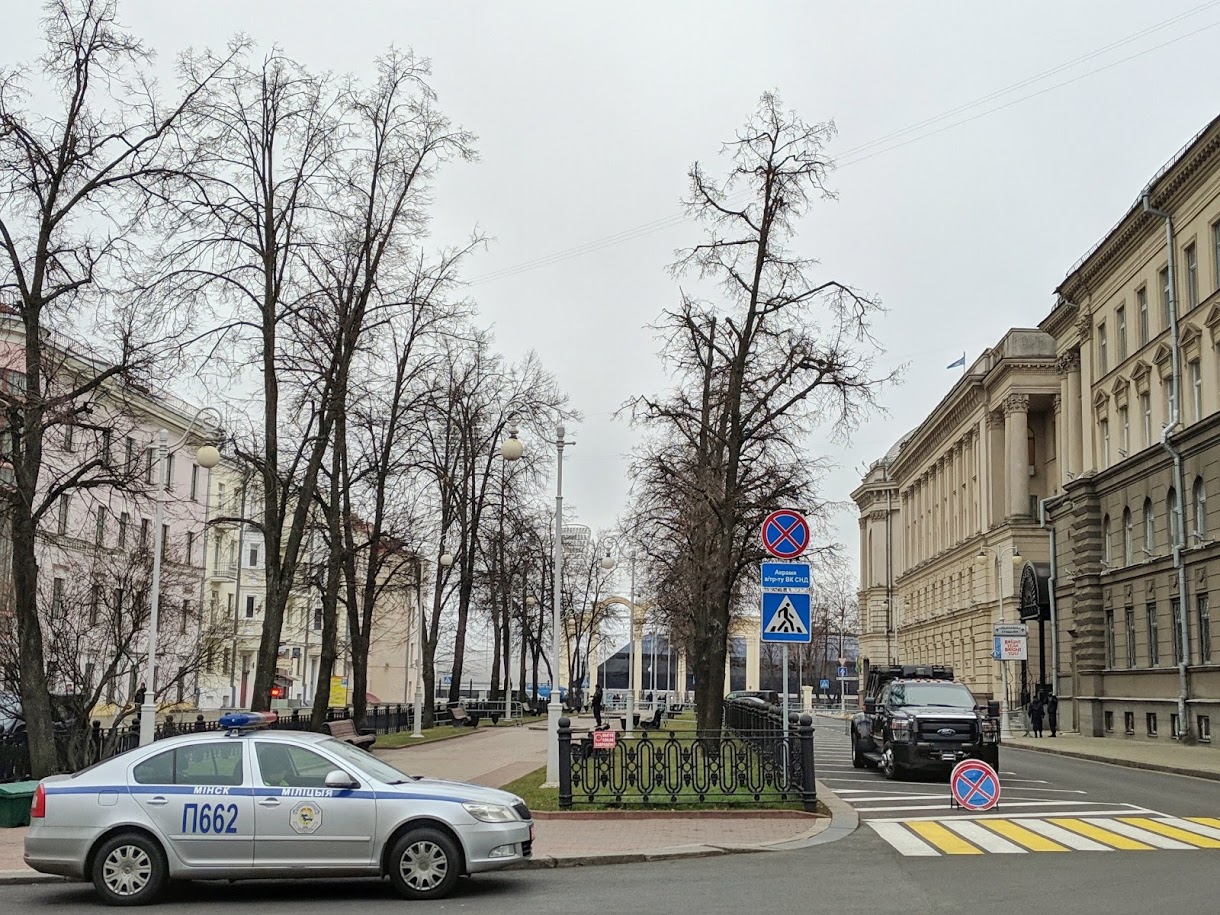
{"x": 1168, "y": 756}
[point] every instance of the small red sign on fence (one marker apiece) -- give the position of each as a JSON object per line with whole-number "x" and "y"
{"x": 604, "y": 740}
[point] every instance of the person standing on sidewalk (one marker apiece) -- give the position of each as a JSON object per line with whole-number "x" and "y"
{"x": 1052, "y": 712}
{"x": 1035, "y": 715}
{"x": 597, "y": 706}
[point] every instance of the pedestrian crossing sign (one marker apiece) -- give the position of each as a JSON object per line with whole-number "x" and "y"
{"x": 785, "y": 617}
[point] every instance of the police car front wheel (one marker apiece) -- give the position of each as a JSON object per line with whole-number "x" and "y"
{"x": 129, "y": 869}
{"x": 425, "y": 864}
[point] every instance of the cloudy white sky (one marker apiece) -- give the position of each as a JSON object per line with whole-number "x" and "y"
{"x": 588, "y": 116}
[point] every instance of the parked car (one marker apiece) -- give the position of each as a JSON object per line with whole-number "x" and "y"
{"x": 283, "y": 804}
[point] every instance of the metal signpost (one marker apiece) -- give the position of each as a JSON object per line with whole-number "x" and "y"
{"x": 786, "y": 605}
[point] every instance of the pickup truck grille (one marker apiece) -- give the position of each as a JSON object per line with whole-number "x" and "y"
{"x": 964, "y": 731}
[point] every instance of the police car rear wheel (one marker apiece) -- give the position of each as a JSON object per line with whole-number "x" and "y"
{"x": 425, "y": 864}
{"x": 129, "y": 869}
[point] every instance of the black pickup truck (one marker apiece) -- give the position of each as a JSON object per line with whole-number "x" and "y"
{"x": 919, "y": 717}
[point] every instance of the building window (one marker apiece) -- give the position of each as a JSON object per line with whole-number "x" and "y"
{"x": 124, "y": 520}
{"x": 1173, "y": 517}
{"x": 1171, "y": 400}
{"x": 1103, "y": 364}
{"x": 1105, "y": 442}
{"x": 169, "y": 473}
{"x": 1149, "y": 529}
{"x": 1129, "y": 722}
{"x": 1130, "y": 621}
{"x": 129, "y": 455}
{"x": 69, "y": 438}
{"x": 57, "y": 596}
{"x": 1175, "y": 614}
{"x": 1146, "y": 410}
{"x": 1154, "y": 654}
{"x": 1205, "y": 728}
{"x": 249, "y": 606}
{"x": 1196, "y": 386}
{"x": 149, "y": 463}
{"x": 194, "y": 482}
{"x": 107, "y": 454}
{"x": 95, "y": 603}
{"x": 1141, "y": 300}
{"x": 1175, "y": 726}
{"x": 254, "y": 556}
{"x": 317, "y": 618}
{"x": 186, "y": 614}
{"x": 1151, "y": 719}
{"x": 1124, "y": 432}
{"x": 1192, "y": 277}
{"x": 1200, "y": 500}
{"x": 190, "y": 547}
{"x": 221, "y": 503}
{"x": 145, "y": 530}
{"x": 1165, "y": 298}
{"x": 1109, "y": 638}
{"x": 1120, "y": 319}
{"x": 1203, "y": 613}
{"x": 1106, "y": 555}
{"x": 99, "y": 536}
{"x": 1128, "y": 531}
{"x": 1109, "y": 717}
{"x": 61, "y": 523}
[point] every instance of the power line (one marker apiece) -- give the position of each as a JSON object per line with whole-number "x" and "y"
{"x": 852, "y": 156}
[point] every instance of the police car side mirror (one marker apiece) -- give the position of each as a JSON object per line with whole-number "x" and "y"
{"x": 340, "y": 779}
{"x": 870, "y": 706}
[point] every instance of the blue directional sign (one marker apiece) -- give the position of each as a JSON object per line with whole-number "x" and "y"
{"x": 785, "y": 617}
{"x": 785, "y": 576}
{"x": 841, "y": 672}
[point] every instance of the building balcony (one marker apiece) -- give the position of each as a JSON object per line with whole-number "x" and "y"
{"x": 226, "y": 571}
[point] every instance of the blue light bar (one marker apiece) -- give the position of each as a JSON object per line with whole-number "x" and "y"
{"x": 248, "y": 719}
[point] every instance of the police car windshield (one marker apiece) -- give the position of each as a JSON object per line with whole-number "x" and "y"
{"x": 367, "y": 762}
{"x": 945, "y": 695}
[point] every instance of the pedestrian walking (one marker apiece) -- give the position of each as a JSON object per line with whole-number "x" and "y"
{"x": 1052, "y": 712}
{"x": 1035, "y": 716}
{"x": 597, "y": 706}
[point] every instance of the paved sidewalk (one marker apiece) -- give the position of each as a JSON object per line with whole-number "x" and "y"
{"x": 498, "y": 756}
{"x": 1169, "y": 756}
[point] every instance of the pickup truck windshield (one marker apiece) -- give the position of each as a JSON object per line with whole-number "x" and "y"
{"x": 947, "y": 695}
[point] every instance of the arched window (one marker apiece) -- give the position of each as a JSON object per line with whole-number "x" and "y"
{"x": 1200, "y": 499}
{"x": 1172, "y": 516}
{"x": 1127, "y": 536}
{"x": 1105, "y": 540}
{"x": 1149, "y": 530}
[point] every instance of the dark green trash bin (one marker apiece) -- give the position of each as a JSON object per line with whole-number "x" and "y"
{"x": 15, "y": 800}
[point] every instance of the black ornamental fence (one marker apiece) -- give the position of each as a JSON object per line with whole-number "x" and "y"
{"x": 758, "y": 766}
{"x": 77, "y": 749}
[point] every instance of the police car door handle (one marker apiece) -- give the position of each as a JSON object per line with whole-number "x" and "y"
{"x": 269, "y": 802}
{"x": 157, "y": 801}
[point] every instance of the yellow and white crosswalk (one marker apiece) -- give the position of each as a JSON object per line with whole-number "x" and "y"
{"x": 1012, "y": 835}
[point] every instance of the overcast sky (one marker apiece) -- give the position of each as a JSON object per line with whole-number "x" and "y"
{"x": 589, "y": 115}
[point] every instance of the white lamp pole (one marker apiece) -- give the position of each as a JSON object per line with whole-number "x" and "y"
{"x": 207, "y": 458}
{"x": 1005, "y": 724}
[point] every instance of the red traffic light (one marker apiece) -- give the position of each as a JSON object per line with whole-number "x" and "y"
{"x": 277, "y": 692}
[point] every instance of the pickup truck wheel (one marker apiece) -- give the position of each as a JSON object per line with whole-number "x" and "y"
{"x": 889, "y": 766}
{"x": 857, "y": 758}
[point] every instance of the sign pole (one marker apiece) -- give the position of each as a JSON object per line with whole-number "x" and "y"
{"x": 784, "y": 705}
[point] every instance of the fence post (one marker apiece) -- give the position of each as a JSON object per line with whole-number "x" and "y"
{"x": 565, "y": 763}
{"x": 809, "y": 785}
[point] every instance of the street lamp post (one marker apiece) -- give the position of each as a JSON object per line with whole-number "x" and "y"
{"x": 207, "y": 457}
{"x": 1005, "y": 725}
{"x": 511, "y": 450}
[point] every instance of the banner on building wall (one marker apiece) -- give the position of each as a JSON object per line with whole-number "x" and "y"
{"x": 338, "y": 691}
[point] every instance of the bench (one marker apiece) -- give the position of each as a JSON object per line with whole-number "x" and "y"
{"x": 462, "y": 718}
{"x": 655, "y": 722}
{"x": 345, "y": 729}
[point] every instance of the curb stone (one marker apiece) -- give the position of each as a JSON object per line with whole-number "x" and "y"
{"x": 1125, "y": 763}
{"x": 13, "y": 878}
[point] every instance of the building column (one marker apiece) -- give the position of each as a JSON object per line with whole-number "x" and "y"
{"x": 995, "y": 461}
{"x": 1073, "y": 432}
{"x": 1088, "y": 459}
{"x": 1016, "y": 427}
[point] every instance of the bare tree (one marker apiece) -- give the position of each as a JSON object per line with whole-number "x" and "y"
{"x": 75, "y": 185}
{"x": 776, "y": 355}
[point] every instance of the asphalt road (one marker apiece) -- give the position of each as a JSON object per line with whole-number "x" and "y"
{"x": 862, "y": 873}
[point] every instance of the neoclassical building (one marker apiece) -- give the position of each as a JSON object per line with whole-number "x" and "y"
{"x": 1137, "y": 328}
{"x": 949, "y": 519}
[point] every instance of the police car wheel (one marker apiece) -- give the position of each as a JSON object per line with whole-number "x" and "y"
{"x": 425, "y": 864}
{"x": 129, "y": 869}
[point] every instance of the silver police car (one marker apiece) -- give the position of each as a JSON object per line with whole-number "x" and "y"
{"x": 253, "y": 803}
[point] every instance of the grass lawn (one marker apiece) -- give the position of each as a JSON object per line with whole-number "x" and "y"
{"x": 537, "y": 798}
{"x": 440, "y": 732}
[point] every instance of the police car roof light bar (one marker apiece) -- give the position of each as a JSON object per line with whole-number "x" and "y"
{"x": 236, "y": 721}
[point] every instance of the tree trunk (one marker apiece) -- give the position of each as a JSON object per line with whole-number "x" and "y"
{"x": 35, "y": 693}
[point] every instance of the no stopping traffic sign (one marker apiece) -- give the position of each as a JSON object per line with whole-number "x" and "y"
{"x": 974, "y": 785}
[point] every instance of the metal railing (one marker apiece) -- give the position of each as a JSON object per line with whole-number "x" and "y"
{"x": 675, "y": 767}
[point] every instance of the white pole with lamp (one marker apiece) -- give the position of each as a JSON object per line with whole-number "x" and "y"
{"x": 511, "y": 450}
{"x": 1005, "y": 725}
{"x": 207, "y": 457}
